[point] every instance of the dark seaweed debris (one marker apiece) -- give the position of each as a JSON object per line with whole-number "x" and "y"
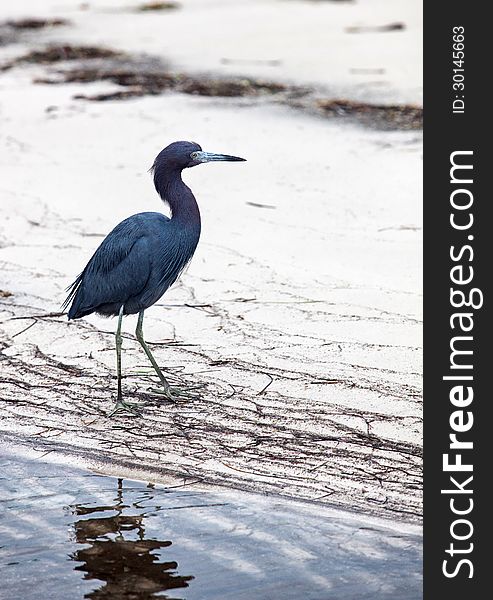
{"x": 146, "y": 75}
{"x": 33, "y": 23}
{"x": 143, "y": 76}
{"x": 229, "y": 87}
{"x": 118, "y": 95}
{"x": 376, "y": 28}
{"x": 395, "y": 116}
{"x": 156, "y": 6}
{"x": 14, "y": 29}
{"x": 124, "y": 74}
{"x": 152, "y": 85}
{"x": 59, "y": 53}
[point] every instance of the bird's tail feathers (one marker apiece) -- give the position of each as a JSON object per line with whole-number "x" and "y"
{"x": 72, "y": 290}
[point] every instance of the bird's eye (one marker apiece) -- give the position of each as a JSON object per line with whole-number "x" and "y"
{"x": 193, "y": 156}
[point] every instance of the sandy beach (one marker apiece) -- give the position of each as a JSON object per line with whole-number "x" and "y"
{"x": 300, "y": 313}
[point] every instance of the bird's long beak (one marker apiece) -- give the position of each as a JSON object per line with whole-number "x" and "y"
{"x": 210, "y": 157}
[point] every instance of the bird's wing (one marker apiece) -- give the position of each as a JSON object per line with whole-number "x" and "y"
{"x": 118, "y": 270}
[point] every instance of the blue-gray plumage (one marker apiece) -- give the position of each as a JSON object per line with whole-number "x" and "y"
{"x": 144, "y": 254}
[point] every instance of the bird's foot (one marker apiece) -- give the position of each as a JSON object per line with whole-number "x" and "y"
{"x": 122, "y": 406}
{"x": 175, "y": 394}
{"x": 171, "y": 393}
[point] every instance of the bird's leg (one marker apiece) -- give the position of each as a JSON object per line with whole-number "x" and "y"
{"x": 118, "y": 344}
{"x": 139, "y": 334}
{"x": 120, "y": 404}
{"x": 170, "y": 392}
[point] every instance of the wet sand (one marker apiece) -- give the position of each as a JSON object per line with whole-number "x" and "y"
{"x": 301, "y": 311}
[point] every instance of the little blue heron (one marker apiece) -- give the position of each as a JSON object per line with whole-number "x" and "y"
{"x": 144, "y": 255}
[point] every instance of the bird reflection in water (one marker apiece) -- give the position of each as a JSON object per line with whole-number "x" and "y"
{"x": 118, "y": 554}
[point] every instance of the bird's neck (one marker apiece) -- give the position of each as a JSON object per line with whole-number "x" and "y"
{"x": 179, "y": 197}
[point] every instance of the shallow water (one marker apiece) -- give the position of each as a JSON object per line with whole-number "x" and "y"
{"x": 67, "y": 534}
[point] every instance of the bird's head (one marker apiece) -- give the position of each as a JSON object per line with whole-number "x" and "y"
{"x": 180, "y": 155}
